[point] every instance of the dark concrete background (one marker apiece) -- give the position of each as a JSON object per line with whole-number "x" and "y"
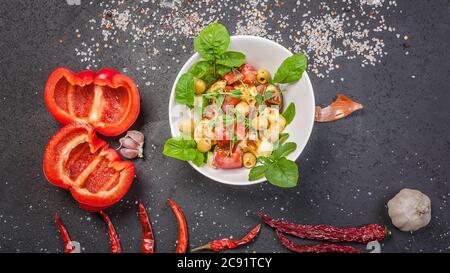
{"x": 348, "y": 171}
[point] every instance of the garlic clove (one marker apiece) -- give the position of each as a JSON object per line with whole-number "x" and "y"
{"x": 129, "y": 153}
{"x": 127, "y": 142}
{"x": 137, "y": 136}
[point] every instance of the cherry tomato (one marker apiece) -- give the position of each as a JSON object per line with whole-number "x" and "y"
{"x": 248, "y": 74}
{"x": 224, "y": 159}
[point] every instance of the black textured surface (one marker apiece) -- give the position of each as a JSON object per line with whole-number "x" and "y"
{"x": 349, "y": 170}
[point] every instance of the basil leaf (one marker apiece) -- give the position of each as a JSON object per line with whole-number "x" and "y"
{"x": 284, "y": 150}
{"x": 222, "y": 69}
{"x": 201, "y": 68}
{"x": 231, "y": 59}
{"x": 199, "y": 159}
{"x": 210, "y": 78}
{"x": 182, "y": 149}
{"x": 264, "y": 160}
{"x": 212, "y": 41}
{"x": 289, "y": 113}
{"x": 291, "y": 69}
{"x": 282, "y": 138}
{"x": 283, "y": 173}
{"x": 184, "y": 90}
{"x": 257, "y": 172}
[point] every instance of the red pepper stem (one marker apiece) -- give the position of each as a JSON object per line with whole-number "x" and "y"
{"x": 205, "y": 246}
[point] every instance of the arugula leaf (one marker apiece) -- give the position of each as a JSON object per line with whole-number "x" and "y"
{"x": 259, "y": 99}
{"x": 211, "y": 123}
{"x": 233, "y": 141}
{"x": 227, "y": 120}
{"x": 291, "y": 69}
{"x": 199, "y": 159}
{"x": 219, "y": 101}
{"x": 212, "y": 41}
{"x": 267, "y": 95}
{"x": 283, "y": 173}
{"x": 179, "y": 148}
{"x": 282, "y": 138}
{"x": 231, "y": 59}
{"x": 257, "y": 172}
{"x": 211, "y": 95}
{"x": 247, "y": 123}
{"x": 289, "y": 113}
{"x": 184, "y": 90}
{"x": 236, "y": 93}
{"x": 284, "y": 150}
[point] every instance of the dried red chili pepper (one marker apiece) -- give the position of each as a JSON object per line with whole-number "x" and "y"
{"x": 182, "y": 230}
{"x": 68, "y": 247}
{"x": 113, "y": 237}
{"x": 364, "y": 234}
{"x": 225, "y": 244}
{"x": 148, "y": 241}
{"x": 320, "y": 248}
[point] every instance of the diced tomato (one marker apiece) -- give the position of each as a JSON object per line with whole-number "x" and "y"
{"x": 248, "y": 74}
{"x": 224, "y": 159}
{"x": 232, "y": 77}
{"x": 223, "y": 135}
{"x": 229, "y": 102}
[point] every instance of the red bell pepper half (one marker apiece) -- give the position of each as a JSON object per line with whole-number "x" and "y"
{"x": 106, "y": 100}
{"x": 77, "y": 160}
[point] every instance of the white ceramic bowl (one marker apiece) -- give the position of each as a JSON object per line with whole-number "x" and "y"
{"x": 261, "y": 53}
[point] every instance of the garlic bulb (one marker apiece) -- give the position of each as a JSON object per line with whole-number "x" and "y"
{"x": 409, "y": 210}
{"x": 131, "y": 145}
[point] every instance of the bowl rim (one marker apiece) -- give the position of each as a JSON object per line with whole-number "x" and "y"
{"x": 172, "y": 103}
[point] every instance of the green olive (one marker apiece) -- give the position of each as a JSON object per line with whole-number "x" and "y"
{"x": 249, "y": 160}
{"x": 204, "y": 145}
{"x": 200, "y": 86}
{"x": 262, "y": 76}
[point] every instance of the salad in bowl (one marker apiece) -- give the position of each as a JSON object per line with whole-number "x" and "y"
{"x": 230, "y": 114}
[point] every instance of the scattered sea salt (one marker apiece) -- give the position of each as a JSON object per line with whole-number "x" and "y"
{"x": 330, "y": 33}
